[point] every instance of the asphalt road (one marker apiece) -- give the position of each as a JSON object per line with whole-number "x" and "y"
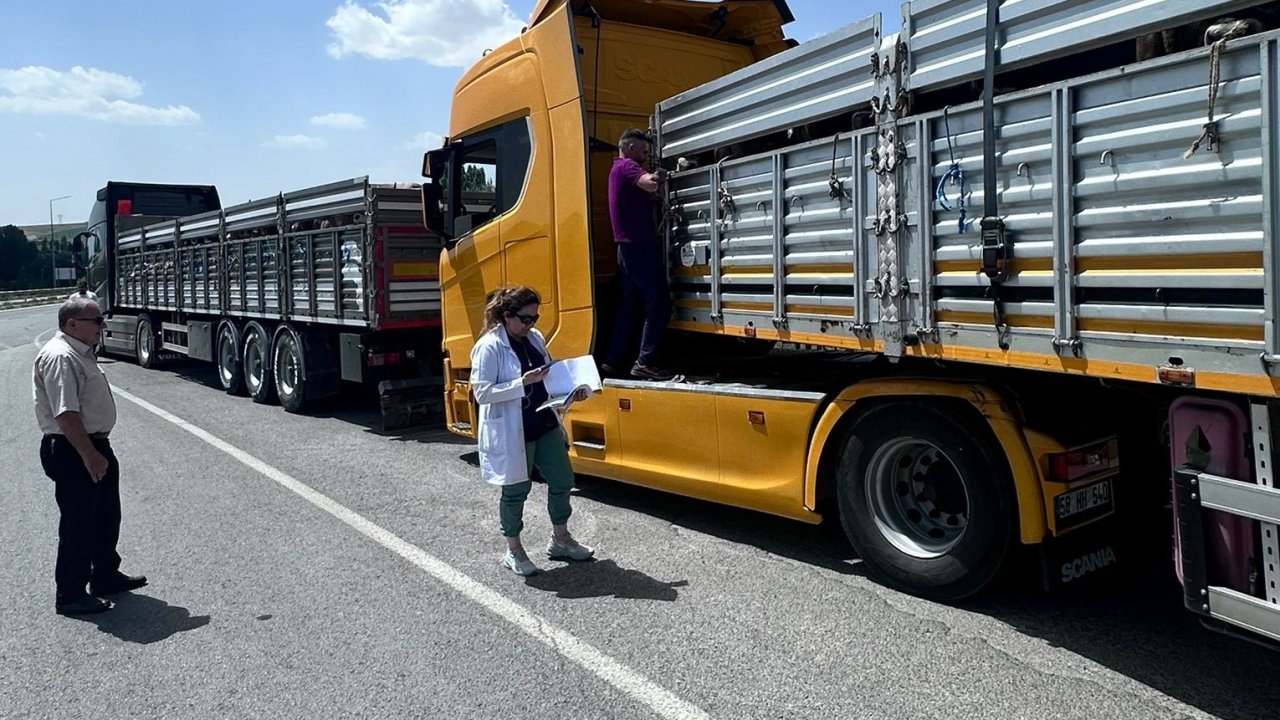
{"x": 310, "y": 567}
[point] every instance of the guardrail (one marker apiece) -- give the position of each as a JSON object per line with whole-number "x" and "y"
{"x": 6, "y": 295}
{"x": 23, "y": 298}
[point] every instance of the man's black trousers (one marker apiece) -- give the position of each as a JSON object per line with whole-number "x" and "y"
{"x": 89, "y": 527}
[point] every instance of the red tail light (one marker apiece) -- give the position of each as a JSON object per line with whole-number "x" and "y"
{"x": 1074, "y": 464}
{"x": 124, "y": 207}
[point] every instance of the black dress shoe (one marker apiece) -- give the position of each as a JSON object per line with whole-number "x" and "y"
{"x": 117, "y": 583}
{"x": 86, "y": 605}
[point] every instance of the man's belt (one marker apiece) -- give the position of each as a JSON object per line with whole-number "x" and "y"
{"x": 92, "y": 436}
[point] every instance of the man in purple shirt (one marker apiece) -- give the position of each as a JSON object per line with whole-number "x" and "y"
{"x": 644, "y": 273}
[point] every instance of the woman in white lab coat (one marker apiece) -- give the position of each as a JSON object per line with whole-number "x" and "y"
{"x": 508, "y": 364}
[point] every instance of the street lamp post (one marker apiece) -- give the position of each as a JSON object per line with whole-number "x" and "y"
{"x": 53, "y": 254}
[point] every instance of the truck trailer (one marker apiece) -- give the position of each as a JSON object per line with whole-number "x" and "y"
{"x": 289, "y": 295}
{"x": 999, "y": 286}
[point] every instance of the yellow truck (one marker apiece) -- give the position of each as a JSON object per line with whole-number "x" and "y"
{"x": 870, "y": 324}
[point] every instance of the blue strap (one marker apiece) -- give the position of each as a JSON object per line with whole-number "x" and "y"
{"x": 954, "y": 175}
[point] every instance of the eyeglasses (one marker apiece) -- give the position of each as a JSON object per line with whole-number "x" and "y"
{"x": 528, "y": 319}
{"x": 96, "y": 320}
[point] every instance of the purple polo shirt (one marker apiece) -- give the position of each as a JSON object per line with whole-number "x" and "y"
{"x": 630, "y": 208}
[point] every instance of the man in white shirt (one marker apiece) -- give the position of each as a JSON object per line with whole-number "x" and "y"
{"x": 83, "y": 291}
{"x": 76, "y": 412}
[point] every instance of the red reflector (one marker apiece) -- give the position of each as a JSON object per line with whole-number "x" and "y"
{"x": 1074, "y": 464}
{"x": 393, "y": 358}
{"x": 124, "y": 207}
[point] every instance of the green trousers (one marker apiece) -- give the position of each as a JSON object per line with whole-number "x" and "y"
{"x": 551, "y": 457}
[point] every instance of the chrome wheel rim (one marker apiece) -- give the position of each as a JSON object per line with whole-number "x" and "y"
{"x": 226, "y": 358}
{"x": 917, "y": 497}
{"x": 287, "y": 366}
{"x": 146, "y": 342}
{"x": 253, "y": 362}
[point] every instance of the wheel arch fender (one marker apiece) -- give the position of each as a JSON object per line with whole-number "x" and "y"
{"x": 992, "y": 406}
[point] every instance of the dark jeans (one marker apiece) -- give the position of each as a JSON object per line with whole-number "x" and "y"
{"x": 89, "y": 527}
{"x": 644, "y": 285}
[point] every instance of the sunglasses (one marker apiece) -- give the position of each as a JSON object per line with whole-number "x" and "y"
{"x": 528, "y": 319}
{"x": 96, "y": 320}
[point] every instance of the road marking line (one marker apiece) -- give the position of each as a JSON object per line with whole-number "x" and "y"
{"x": 43, "y": 338}
{"x": 629, "y": 681}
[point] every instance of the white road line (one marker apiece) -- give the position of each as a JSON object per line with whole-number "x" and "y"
{"x": 43, "y": 337}
{"x": 629, "y": 681}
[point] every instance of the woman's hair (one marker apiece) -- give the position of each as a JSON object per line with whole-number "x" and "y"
{"x": 507, "y": 300}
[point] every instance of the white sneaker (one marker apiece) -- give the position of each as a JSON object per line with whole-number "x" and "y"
{"x": 520, "y": 566}
{"x": 570, "y": 550}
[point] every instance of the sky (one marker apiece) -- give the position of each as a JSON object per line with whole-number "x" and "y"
{"x": 253, "y": 96}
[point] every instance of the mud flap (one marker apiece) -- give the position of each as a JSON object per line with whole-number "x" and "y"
{"x": 1083, "y": 557}
{"x": 411, "y": 403}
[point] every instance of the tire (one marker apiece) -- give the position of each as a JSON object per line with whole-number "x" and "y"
{"x": 925, "y": 498}
{"x": 229, "y": 355}
{"x": 288, "y": 367}
{"x": 256, "y": 363}
{"x": 144, "y": 344}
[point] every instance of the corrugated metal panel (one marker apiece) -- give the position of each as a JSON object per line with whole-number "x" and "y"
{"x": 817, "y": 79}
{"x": 1025, "y": 187}
{"x": 1147, "y": 204}
{"x": 946, "y": 38}
{"x": 1160, "y": 244}
{"x": 814, "y": 272}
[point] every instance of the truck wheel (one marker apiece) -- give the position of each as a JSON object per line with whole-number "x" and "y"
{"x": 257, "y": 364}
{"x": 230, "y": 368}
{"x": 290, "y": 370}
{"x": 144, "y": 343}
{"x": 925, "y": 498}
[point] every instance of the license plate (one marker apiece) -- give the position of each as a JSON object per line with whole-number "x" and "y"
{"x": 1071, "y": 504}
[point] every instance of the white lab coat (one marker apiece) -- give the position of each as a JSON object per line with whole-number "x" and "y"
{"x": 496, "y": 383}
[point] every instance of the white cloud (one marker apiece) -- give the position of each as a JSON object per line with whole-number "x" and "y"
{"x": 341, "y": 121}
{"x": 425, "y": 140}
{"x": 446, "y": 33}
{"x": 85, "y": 92}
{"x": 295, "y": 142}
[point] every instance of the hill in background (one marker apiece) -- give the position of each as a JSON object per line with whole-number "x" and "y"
{"x": 64, "y": 231}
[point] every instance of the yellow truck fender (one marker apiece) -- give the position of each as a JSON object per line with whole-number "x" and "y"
{"x": 1015, "y": 441}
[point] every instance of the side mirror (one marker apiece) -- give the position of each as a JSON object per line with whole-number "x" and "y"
{"x": 81, "y": 242}
{"x": 433, "y": 163}
{"x": 432, "y": 213}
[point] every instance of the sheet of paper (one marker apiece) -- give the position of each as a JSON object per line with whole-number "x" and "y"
{"x": 565, "y": 375}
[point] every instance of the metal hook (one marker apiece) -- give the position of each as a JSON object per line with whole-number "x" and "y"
{"x": 761, "y": 207}
{"x": 1107, "y": 154}
{"x": 1024, "y": 170}
{"x": 791, "y": 204}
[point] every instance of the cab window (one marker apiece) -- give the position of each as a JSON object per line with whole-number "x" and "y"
{"x": 491, "y": 169}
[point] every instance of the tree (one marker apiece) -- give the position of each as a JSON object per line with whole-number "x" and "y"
{"x": 16, "y": 253}
{"x": 475, "y": 179}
